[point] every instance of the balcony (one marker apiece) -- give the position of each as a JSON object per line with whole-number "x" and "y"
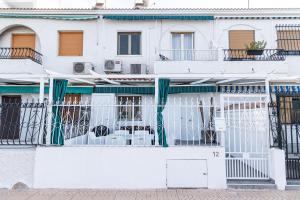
{"x": 21, "y": 53}
{"x": 212, "y": 61}
{"x": 20, "y": 60}
{"x": 188, "y": 55}
{"x": 244, "y": 55}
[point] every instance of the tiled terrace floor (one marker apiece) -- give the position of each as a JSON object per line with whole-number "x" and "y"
{"x": 50, "y": 194}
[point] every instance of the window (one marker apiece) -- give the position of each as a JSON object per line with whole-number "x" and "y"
{"x": 238, "y": 40}
{"x": 288, "y": 39}
{"x": 182, "y": 46}
{"x": 70, "y": 43}
{"x": 290, "y": 110}
{"x": 129, "y": 43}
{"x": 129, "y": 108}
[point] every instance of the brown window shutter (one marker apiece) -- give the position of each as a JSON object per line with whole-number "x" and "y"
{"x": 26, "y": 40}
{"x": 289, "y": 40}
{"x": 70, "y": 43}
{"x": 238, "y": 39}
{"x": 23, "y": 41}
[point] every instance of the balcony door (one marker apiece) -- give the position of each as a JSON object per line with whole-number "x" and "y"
{"x": 182, "y": 46}
{"x": 20, "y": 41}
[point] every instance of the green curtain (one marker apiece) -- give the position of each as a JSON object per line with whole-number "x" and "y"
{"x": 163, "y": 90}
{"x": 59, "y": 91}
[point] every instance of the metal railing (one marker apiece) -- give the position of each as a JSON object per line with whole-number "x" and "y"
{"x": 186, "y": 122}
{"x": 188, "y": 55}
{"x": 22, "y": 123}
{"x": 256, "y": 55}
{"x": 21, "y": 53}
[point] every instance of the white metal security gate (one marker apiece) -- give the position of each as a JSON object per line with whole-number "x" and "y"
{"x": 246, "y": 137}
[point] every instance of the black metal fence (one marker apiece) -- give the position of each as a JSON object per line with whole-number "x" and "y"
{"x": 22, "y": 123}
{"x": 257, "y": 55}
{"x": 21, "y": 53}
{"x": 285, "y": 130}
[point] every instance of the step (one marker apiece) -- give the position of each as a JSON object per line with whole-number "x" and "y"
{"x": 251, "y": 184}
{"x": 292, "y": 185}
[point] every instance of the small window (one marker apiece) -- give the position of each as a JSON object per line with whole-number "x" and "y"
{"x": 129, "y": 108}
{"x": 129, "y": 43}
{"x": 288, "y": 39}
{"x": 290, "y": 110}
{"x": 238, "y": 40}
{"x": 70, "y": 43}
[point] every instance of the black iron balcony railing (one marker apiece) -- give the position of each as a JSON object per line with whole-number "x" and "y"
{"x": 21, "y": 53}
{"x": 254, "y": 55}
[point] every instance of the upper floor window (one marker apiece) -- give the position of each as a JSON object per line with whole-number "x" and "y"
{"x": 129, "y": 43}
{"x": 239, "y": 39}
{"x": 70, "y": 43}
{"x": 182, "y": 46}
{"x": 288, "y": 39}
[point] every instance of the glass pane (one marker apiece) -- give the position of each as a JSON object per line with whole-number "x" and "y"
{"x": 136, "y": 44}
{"x": 188, "y": 46}
{"x": 176, "y": 46}
{"x": 123, "y": 44}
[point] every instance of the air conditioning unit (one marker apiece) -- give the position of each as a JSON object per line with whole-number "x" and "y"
{"x": 138, "y": 69}
{"x": 82, "y": 67}
{"x": 113, "y": 66}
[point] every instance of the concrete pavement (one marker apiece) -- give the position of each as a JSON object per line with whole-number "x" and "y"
{"x": 178, "y": 194}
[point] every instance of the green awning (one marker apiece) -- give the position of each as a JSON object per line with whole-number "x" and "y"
{"x": 151, "y": 90}
{"x": 36, "y": 89}
{"x": 55, "y": 17}
{"x": 158, "y": 17}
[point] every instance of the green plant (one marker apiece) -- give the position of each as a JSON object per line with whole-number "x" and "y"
{"x": 259, "y": 45}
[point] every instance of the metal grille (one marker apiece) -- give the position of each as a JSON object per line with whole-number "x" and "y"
{"x": 246, "y": 55}
{"x": 22, "y": 123}
{"x": 288, "y": 131}
{"x": 21, "y": 53}
{"x": 246, "y": 138}
{"x": 288, "y": 38}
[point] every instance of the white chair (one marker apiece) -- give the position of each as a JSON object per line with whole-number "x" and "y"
{"x": 142, "y": 138}
{"x": 118, "y": 138}
{"x": 92, "y": 139}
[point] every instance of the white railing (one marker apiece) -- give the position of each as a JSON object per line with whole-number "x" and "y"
{"x": 188, "y": 55}
{"x": 186, "y": 122}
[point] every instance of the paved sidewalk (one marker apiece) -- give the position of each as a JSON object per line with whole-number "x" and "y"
{"x": 50, "y": 194}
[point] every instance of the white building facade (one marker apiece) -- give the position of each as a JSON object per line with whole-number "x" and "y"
{"x": 149, "y": 98}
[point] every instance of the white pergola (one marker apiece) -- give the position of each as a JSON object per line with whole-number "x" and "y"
{"x": 196, "y": 79}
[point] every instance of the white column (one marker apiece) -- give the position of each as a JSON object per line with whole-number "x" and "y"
{"x": 155, "y": 111}
{"x": 267, "y": 85}
{"x": 42, "y": 90}
{"x": 49, "y": 113}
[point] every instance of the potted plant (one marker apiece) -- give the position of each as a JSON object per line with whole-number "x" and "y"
{"x": 256, "y": 48}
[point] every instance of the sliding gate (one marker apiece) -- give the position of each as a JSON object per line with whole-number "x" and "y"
{"x": 288, "y": 132}
{"x": 246, "y": 137}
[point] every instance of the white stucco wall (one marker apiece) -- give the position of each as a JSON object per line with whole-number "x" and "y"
{"x": 100, "y": 43}
{"x": 277, "y": 167}
{"x": 119, "y": 167}
{"x": 16, "y": 165}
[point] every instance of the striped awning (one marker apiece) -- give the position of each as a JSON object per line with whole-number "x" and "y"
{"x": 54, "y": 17}
{"x": 158, "y": 17}
{"x": 259, "y": 89}
{"x": 285, "y": 89}
{"x": 242, "y": 89}
{"x": 151, "y": 89}
{"x": 256, "y": 18}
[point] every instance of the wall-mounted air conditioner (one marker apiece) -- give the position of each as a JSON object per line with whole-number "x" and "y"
{"x": 82, "y": 67}
{"x": 113, "y": 66}
{"x": 138, "y": 69}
